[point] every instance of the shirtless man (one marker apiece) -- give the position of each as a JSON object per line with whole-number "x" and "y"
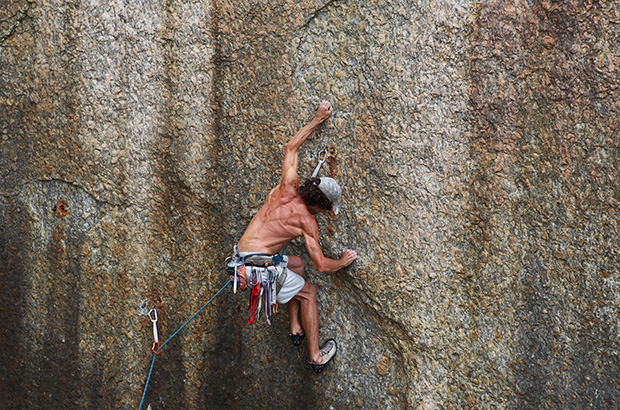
{"x": 288, "y": 213}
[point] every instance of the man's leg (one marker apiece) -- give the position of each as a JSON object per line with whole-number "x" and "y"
{"x": 309, "y": 319}
{"x": 296, "y": 265}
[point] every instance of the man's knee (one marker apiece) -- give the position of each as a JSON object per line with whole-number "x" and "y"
{"x": 308, "y": 292}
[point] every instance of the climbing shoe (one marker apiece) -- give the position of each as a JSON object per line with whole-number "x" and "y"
{"x": 328, "y": 351}
{"x": 297, "y": 339}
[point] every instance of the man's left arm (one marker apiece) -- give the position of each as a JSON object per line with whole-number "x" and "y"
{"x": 291, "y": 159}
{"x": 321, "y": 263}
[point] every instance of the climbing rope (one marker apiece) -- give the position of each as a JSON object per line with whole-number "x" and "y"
{"x": 279, "y": 257}
{"x": 156, "y": 339}
{"x": 147, "y": 380}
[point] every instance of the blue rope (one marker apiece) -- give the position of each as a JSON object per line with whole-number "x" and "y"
{"x": 278, "y": 258}
{"x": 173, "y": 335}
{"x": 192, "y": 318}
{"x": 147, "y": 381}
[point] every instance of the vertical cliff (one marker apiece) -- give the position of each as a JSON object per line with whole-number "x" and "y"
{"x": 476, "y": 143}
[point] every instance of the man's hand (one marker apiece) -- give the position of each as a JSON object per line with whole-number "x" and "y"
{"x": 348, "y": 256}
{"x": 324, "y": 111}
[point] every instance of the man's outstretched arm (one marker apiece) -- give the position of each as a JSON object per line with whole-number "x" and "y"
{"x": 291, "y": 159}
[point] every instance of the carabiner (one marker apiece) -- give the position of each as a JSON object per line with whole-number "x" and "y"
{"x": 321, "y": 161}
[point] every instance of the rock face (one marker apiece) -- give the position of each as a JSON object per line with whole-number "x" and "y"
{"x": 477, "y": 146}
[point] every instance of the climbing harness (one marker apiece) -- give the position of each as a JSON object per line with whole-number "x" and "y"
{"x": 236, "y": 264}
{"x": 321, "y": 161}
{"x": 153, "y": 316}
{"x": 263, "y": 274}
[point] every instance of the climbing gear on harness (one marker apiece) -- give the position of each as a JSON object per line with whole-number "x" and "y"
{"x": 263, "y": 274}
{"x": 155, "y": 338}
{"x": 253, "y": 302}
{"x": 260, "y": 301}
{"x": 269, "y": 298}
{"x": 236, "y": 270}
{"x": 297, "y": 339}
{"x": 235, "y": 265}
{"x": 328, "y": 351}
{"x": 170, "y": 338}
{"x": 321, "y": 161}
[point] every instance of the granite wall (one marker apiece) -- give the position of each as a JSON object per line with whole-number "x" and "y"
{"x": 476, "y": 143}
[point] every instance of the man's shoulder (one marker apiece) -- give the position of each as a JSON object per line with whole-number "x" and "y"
{"x": 305, "y": 219}
{"x": 285, "y": 205}
{"x": 284, "y": 191}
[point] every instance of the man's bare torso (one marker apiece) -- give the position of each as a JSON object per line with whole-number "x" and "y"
{"x": 280, "y": 219}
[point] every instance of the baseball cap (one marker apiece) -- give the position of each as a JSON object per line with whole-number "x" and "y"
{"x": 332, "y": 191}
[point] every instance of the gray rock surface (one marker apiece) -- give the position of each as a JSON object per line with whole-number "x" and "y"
{"x": 477, "y": 145}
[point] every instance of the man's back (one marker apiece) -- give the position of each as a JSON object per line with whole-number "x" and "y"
{"x": 278, "y": 221}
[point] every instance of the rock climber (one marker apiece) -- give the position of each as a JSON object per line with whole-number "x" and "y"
{"x": 288, "y": 213}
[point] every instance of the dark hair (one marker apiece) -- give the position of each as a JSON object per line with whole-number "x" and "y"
{"x": 311, "y": 194}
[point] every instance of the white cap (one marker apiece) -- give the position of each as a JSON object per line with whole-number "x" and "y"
{"x": 332, "y": 191}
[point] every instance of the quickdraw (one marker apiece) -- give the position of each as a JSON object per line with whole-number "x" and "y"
{"x": 153, "y": 316}
{"x": 321, "y": 161}
{"x": 270, "y": 299}
{"x": 235, "y": 267}
{"x": 156, "y": 339}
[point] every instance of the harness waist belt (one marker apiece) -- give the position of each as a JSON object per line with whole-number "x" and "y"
{"x": 259, "y": 260}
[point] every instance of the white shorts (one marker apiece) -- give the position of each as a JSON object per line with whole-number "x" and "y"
{"x": 293, "y": 283}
